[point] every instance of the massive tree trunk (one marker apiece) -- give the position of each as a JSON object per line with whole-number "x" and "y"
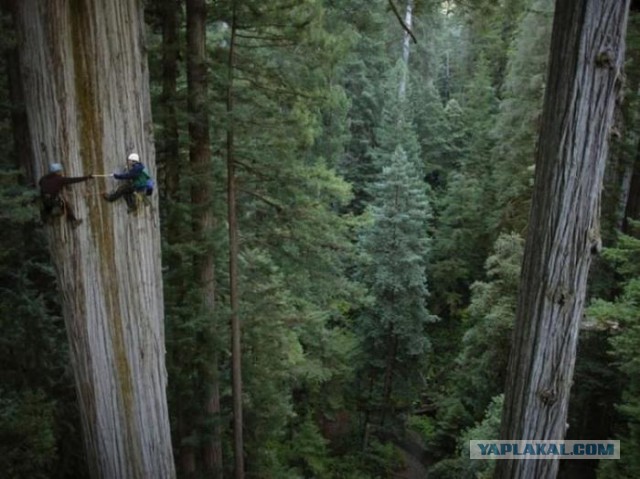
{"x": 87, "y": 99}
{"x": 587, "y": 51}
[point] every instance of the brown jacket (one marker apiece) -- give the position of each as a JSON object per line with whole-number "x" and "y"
{"x": 52, "y": 183}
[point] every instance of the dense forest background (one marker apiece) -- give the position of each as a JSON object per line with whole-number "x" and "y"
{"x": 382, "y": 160}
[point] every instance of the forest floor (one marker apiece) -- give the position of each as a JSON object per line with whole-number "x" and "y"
{"x": 414, "y": 468}
{"x": 412, "y": 450}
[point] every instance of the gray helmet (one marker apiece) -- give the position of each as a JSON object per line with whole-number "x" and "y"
{"x": 55, "y": 168}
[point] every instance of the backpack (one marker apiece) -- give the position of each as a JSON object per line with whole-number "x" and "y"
{"x": 144, "y": 182}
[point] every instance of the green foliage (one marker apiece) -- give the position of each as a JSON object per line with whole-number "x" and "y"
{"x": 486, "y": 344}
{"x": 518, "y": 121}
{"x": 624, "y": 143}
{"x": 336, "y": 330}
{"x": 423, "y": 425}
{"x": 481, "y": 364}
{"x": 462, "y": 239}
{"x": 288, "y": 125}
{"x": 447, "y": 469}
{"x": 621, "y": 317}
{"x": 431, "y": 129}
{"x": 307, "y": 452}
{"x": 396, "y": 127}
{"x": 39, "y": 421}
{"x": 463, "y": 467}
{"x": 27, "y": 442}
{"x": 395, "y": 252}
{"x": 488, "y": 428}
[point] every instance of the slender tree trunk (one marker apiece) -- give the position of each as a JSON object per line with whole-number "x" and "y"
{"x": 587, "y": 51}
{"x": 624, "y": 190}
{"x": 187, "y": 468}
{"x": 212, "y": 451}
{"x": 201, "y": 199}
{"x": 632, "y": 207}
{"x": 406, "y": 48}
{"x": 19, "y": 121}
{"x": 392, "y": 351}
{"x": 236, "y": 344}
{"x": 447, "y": 76}
{"x": 171, "y": 165}
{"x": 87, "y": 99}
{"x": 367, "y": 413}
{"x": 169, "y": 144}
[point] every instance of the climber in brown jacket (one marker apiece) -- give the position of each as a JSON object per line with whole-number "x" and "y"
{"x": 53, "y": 202}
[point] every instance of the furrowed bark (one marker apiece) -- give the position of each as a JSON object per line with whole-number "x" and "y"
{"x": 86, "y": 93}
{"x": 587, "y": 52}
{"x": 203, "y": 218}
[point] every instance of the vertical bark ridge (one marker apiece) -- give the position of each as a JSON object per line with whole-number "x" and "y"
{"x": 87, "y": 101}
{"x": 586, "y": 59}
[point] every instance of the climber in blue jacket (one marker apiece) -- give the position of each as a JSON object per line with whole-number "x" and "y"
{"x": 137, "y": 180}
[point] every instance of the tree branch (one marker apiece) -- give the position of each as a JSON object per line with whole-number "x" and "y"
{"x": 262, "y": 198}
{"x": 399, "y": 17}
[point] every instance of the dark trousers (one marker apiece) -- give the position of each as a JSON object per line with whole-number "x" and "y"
{"x": 127, "y": 191}
{"x": 55, "y": 205}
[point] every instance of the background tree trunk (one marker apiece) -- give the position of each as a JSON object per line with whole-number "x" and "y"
{"x": 587, "y": 51}
{"x": 236, "y": 330}
{"x": 406, "y": 48}
{"x": 632, "y": 208}
{"x": 169, "y": 145}
{"x": 23, "y": 158}
{"x": 87, "y": 100}
{"x": 203, "y": 218}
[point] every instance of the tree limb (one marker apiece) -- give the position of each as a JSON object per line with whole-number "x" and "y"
{"x": 262, "y": 198}
{"x": 399, "y": 17}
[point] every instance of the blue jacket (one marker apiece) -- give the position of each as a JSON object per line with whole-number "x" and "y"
{"x": 139, "y": 177}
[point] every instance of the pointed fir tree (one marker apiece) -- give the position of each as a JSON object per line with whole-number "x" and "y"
{"x": 396, "y": 128}
{"x": 431, "y": 127}
{"x": 392, "y": 328}
{"x": 361, "y": 69}
{"x": 463, "y": 239}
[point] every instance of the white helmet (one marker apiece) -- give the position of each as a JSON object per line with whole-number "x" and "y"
{"x": 134, "y": 157}
{"x": 55, "y": 167}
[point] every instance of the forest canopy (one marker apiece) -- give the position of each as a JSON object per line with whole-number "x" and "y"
{"x": 325, "y": 279}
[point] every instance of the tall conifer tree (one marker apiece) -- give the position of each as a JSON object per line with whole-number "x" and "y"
{"x": 393, "y": 327}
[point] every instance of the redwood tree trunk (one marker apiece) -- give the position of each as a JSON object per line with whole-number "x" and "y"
{"x": 169, "y": 144}
{"x": 201, "y": 199}
{"x": 406, "y": 48}
{"x": 232, "y": 218}
{"x": 87, "y": 99}
{"x": 587, "y": 51}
